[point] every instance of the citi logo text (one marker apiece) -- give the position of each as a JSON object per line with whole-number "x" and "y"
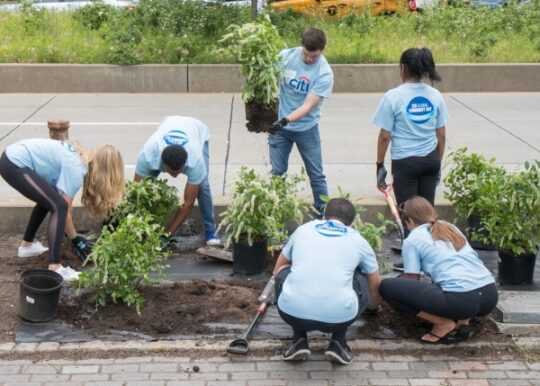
{"x": 301, "y": 84}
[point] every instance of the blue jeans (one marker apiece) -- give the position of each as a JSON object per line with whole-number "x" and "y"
{"x": 204, "y": 197}
{"x": 309, "y": 145}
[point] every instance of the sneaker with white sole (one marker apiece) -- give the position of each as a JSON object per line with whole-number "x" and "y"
{"x": 339, "y": 353}
{"x": 296, "y": 351}
{"x": 34, "y": 249}
{"x": 212, "y": 239}
{"x": 68, "y": 273}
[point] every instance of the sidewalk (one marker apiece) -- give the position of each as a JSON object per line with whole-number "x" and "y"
{"x": 163, "y": 364}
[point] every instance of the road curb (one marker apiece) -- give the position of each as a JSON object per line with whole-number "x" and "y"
{"x": 204, "y": 345}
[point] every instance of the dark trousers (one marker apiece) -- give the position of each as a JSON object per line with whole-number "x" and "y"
{"x": 338, "y": 330}
{"x": 416, "y": 176}
{"x": 413, "y": 296}
{"x": 47, "y": 199}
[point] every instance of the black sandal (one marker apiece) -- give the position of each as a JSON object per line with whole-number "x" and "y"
{"x": 452, "y": 337}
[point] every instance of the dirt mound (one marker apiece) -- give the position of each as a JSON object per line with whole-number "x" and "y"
{"x": 180, "y": 308}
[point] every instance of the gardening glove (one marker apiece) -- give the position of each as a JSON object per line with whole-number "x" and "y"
{"x": 371, "y": 312}
{"x": 278, "y": 125}
{"x": 165, "y": 242}
{"x": 83, "y": 247}
{"x": 381, "y": 175}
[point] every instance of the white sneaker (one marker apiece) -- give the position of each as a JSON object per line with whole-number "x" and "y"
{"x": 34, "y": 249}
{"x": 214, "y": 242}
{"x": 68, "y": 273}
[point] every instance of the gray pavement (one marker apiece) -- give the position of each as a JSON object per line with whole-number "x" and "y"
{"x": 501, "y": 125}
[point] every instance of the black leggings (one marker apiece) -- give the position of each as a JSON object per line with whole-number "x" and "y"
{"x": 338, "y": 330}
{"x": 48, "y": 199}
{"x": 416, "y": 176}
{"x": 413, "y": 296}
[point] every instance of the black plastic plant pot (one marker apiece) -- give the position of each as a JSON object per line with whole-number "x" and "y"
{"x": 516, "y": 270}
{"x": 39, "y": 294}
{"x": 250, "y": 260}
{"x": 473, "y": 226}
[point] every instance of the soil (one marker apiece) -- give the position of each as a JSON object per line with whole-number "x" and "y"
{"x": 260, "y": 116}
{"x": 176, "y": 309}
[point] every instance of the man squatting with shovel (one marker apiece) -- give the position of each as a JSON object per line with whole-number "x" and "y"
{"x": 325, "y": 277}
{"x": 180, "y": 145}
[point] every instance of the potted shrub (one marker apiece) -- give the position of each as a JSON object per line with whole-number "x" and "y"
{"x": 467, "y": 181}
{"x": 511, "y": 217}
{"x": 258, "y": 214}
{"x": 256, "y": 47}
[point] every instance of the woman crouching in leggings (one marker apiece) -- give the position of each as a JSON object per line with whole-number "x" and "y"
{"x": 461, "y": 287}
{"x": 50, "y": 173}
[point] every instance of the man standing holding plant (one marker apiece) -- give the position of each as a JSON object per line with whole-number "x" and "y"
{"x": 180, "y": 145}
{"x": 308, "y": 79}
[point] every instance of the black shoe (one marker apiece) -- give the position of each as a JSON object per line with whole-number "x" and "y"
{"x": 398, "y": 266}
{"x": 296, "y": 351}
{"x": 338, "y": 353}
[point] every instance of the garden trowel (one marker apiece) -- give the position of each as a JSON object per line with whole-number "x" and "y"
{"x": 217, "y": 253}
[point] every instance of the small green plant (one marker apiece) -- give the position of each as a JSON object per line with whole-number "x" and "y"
{"x": 260, "y": 208}
{"x": 468, "y": 180}
{"x": 256, "y": 47}
{"x": 511, "y": 212}
{"x": 149, "y": 196}
{"x": 124, "y": 259}
{"x": 372, "y": 233}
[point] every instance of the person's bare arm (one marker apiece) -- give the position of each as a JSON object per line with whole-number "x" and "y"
{"x": 69, "y": 227}
{"x": 137, "y": 177}
{"x": 411, "y": 276}
{"x": 374, "y": 280}
{"x": 441, "y": 141}
{"x": 382, "y": 145}
{"x": 281, "y": 263}
{"x": 311, "y": 101}
{"x": 190, "y": 195}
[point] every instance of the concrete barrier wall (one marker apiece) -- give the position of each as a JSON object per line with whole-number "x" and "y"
{"x": 79, "y": 78}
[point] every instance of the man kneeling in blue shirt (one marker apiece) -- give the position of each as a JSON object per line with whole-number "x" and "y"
{"x": 326, "y": 276}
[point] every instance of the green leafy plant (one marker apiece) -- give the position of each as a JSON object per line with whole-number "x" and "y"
{"x": 94, "y": 15}
{"x": 371, "y": 232}
{"x": 511, "y": 212}
{"x": 150, "y": 196}
{"x": 256, "y": 47}
{"x": 468, "y": 180}
{"x": 261, "y": 207}
{"x": 129, "y": 249}
{"x": 124, "y": 259}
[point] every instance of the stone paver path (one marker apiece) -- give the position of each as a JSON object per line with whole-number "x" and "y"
{"x": 371, "y": 368}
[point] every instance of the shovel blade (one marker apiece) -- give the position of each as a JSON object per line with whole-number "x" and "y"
{"x": 238, "y": 346}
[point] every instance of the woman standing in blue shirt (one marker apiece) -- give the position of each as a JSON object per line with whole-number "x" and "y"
{"x": 461, "y": 287}
{"x": 412, "y": 117}
{"x": 50, "y": 173}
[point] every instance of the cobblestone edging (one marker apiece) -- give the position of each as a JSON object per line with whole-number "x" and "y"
{"x": 529, "y": 343}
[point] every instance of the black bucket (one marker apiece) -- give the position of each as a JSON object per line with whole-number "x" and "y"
{"x": 39, "y": 294}
{"x": 516, "y": 270}
{"x": 475, "y": 226}
{"x": 250, "y": 260}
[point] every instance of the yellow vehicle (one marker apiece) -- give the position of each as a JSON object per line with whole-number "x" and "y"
{"x": 338, "y": 8}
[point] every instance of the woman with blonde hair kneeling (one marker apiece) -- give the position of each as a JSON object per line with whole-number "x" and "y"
{"x": 50, "y": 173}
{"x": 461, "y": 287}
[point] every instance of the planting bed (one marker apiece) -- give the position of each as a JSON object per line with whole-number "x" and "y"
{"x": 186, "y": 309}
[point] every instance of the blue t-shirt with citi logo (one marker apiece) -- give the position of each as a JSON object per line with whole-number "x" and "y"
{"x": 55, "y": 161}
{"x": 411, "y": 112}
{"x": 300, "y": 79}
{"x": 188, "y": 132}
{"x": 324, "y": 255}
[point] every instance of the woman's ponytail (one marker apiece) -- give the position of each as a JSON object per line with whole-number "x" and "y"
{"x": 419, "y": 63}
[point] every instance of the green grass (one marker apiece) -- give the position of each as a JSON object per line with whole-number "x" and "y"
{"x": 176, "y": 31}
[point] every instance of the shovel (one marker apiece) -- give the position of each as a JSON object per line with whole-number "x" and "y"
{"x": 216, "y": 253}
{"x": 387, "y": 191}
{"x": 240, "y": 345}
